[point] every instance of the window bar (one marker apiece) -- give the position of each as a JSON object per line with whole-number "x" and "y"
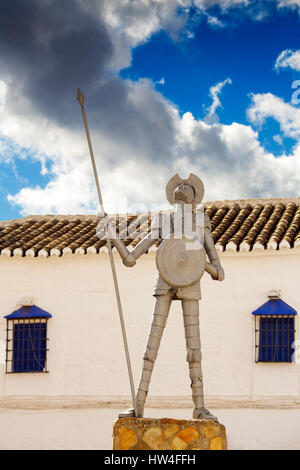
{"x": 26, "y": 367}
{"x": 269, "y": 334}
{"x": 284, "y": 339}
{"x": 273, "y": 335}
{"x": 274, "y": 321}
{"x": 11, "y": 347}
{"x": 258, "y": 337}
{"x": 15, "y": 357}
{"x": 281, "y": 332}
{"x": 280, "y": 339}
{"x": 46, "y": 344}
{"x": 43, "y": 346}
{"x": 7, "y": 343}
{"x": 31, "y": 353}
{"x": 35, "y": 339}
{"x": 293, "y": 337}
{"x": 276, "y": 339}
{"x": 272, "y": 329}
{"x": 29, "y": 346}
{"x": 257, "y": 344}
{"x": 290, "y": 335}
{"x": 266, "y": 336}
{"x": 255, "y": 339}
{"x": 276, "y": 348}
{"x": 40, "y": 344}
{"x": 34, "y": 350}
{"x": 293, "y": 333}
{"x": 281, "y": 342}
{"x": 39, "y": 365}
{"x": 284, "y": 356}
{"x": 21, "y": 335}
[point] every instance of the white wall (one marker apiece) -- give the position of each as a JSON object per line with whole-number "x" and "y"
{"x": 86, "y": 355}
{"x": 91, "y": 429}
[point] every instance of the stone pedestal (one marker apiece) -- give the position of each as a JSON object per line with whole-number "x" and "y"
{"x": 168, "y": 434}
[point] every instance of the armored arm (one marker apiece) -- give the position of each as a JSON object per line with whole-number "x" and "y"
{"x": 129, "y": 258}
{"x": 144, "y": 245}
{"x": 125, "y": 254}
{"x": 211, "y": 250}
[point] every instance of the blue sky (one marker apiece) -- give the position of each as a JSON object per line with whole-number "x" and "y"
{"x": 171, "y": 86}
{"x": 245, "y": 50}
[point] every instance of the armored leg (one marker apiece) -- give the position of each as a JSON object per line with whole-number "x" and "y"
{"x": 160, "y": 315}
{"x": 192, "y": 336}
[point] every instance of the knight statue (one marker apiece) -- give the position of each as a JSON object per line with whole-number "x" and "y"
{"x": 181, "y": 259}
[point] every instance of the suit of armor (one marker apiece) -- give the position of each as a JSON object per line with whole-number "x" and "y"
{"x": 184, "y": 192}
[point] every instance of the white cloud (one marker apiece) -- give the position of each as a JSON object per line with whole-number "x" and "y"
{"x": 133, "y": 22}
{"x": 224, "y": 4}
{"x": 233, "y": 164}
{"x": 278, "y": 139}
{"x": 288, "y": 3}
{"x": 229, "y": 159}
{"x": 3, "y": 89}
{"x": 122, "y": 167}
{"x": 71, "y": 190}
{"x": 154, "y": 145}
{"x": 214, "y": 21}
{"x": 288, "y": 59}
{"x": 267, "y": 105}
{"x": 215, "y": 92}
{"x": 160, "y": 82}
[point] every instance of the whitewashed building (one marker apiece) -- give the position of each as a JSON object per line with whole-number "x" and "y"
{"x": 67, "y": 391}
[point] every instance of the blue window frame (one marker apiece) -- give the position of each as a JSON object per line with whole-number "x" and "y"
{"x": 26, "y": 341}
{"x": 274, "y": 331}
{"x": 276, "y": 339}
{"x": 29, "y": 347}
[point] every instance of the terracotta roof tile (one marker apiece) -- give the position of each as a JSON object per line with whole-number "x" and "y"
{"x": 237, "y": 225}
{"x": 282, "y": 230}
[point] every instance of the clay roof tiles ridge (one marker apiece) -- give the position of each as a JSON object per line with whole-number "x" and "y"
{"x": 265, "y": 224}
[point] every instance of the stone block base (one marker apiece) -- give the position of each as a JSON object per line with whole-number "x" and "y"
{"x": 168, "y": 434}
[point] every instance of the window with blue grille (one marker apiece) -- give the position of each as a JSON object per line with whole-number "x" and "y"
{"x": 276, "y": 337}
{"x": 29, "y": 347}
{"x": 26, "y": 340}
{"x": 274, "y": 331}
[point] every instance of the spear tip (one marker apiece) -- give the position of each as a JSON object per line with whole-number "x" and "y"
{"x": 80, "y": 97}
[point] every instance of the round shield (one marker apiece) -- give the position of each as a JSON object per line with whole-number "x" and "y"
{"x": 180, "y": 262}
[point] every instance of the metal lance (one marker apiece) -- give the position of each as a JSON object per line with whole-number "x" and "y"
{"x": 80, "y": 99}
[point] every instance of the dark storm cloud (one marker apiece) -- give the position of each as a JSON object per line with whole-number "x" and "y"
{"x": 49, "y": 48}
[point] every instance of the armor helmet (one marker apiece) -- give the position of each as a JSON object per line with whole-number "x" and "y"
{"x": 192, "y": 180}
